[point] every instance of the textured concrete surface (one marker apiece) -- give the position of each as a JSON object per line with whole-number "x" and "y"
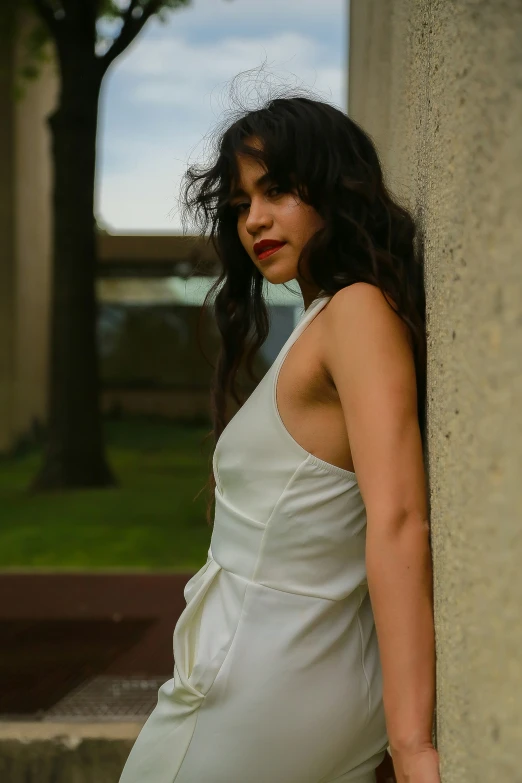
{"x": 25, "y": 240}
{"x": 65, "y": 753}
{"x": 7, "y": 247}
{"x": 439, "y": 87}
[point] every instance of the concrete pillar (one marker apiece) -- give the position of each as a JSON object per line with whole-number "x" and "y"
{"x": 33, "y": 216}
{"x": 438, "y": 86}
{"x": 7, "y": 246}
{"x": 25, "y": 241}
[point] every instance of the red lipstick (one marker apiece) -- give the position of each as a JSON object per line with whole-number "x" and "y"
{"x": 267, "y": 247}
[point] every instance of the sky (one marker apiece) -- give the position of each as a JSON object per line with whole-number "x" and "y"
{"x": 162, "y": 97}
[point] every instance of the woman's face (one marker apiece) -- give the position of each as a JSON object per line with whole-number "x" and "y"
{"x": 273, "y": 226}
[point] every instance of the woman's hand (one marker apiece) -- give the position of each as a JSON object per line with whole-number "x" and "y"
{"x": 419, "y": 766}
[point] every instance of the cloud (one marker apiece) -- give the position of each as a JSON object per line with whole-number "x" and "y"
{"x": 144, "y": 197}
{"x": 180, "y": 74}
{"x": 253, "y": 15}
{"x": 166, "y": 92}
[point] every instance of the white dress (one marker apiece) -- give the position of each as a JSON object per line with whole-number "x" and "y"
{"x": 277, "y": 675}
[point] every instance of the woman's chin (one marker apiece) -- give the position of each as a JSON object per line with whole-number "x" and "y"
{"x": 278, "y": 276}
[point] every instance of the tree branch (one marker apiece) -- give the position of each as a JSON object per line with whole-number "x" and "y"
{"x": 131, "y": 28}
{"x": 45, "y": 12}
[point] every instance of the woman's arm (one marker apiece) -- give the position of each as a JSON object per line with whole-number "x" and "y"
{"x": 369, "y": 357}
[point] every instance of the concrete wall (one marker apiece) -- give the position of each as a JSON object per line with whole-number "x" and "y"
{"x": 7, "y": 244}
{"x": 32, "y": 227}
{"x": 25, "y": 242}
{"x": 439, "y": 87}
{"x": 65, "y": 752}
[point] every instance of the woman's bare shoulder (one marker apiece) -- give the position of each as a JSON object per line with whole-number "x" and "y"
{"x": 360, "y": 309}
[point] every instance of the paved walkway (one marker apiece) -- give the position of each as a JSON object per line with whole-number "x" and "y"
{"x": 60, "y": 632}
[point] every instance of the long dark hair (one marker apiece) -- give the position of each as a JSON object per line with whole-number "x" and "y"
{"x": 316, "y": 150}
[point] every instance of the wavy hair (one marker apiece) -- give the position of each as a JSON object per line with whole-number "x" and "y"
{"x": 316, "y": 150}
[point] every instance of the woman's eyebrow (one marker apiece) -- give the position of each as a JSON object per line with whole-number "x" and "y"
{"x": 260, "y": 181}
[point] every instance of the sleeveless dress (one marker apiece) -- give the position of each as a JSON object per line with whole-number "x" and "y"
{"x": 277, "y": 674}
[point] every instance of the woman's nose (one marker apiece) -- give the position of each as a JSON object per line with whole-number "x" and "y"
{"x": 258, "y": 217}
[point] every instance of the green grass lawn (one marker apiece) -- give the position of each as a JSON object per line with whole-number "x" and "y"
{"x": 151, "y": 520}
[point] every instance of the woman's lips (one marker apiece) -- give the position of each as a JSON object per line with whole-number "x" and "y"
{"x": 270, "y": 251}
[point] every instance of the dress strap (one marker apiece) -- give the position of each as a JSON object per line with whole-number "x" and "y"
{"x": 307, "y": 317}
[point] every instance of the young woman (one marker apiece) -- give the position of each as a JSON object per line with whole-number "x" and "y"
{"x": 307, "y": 644}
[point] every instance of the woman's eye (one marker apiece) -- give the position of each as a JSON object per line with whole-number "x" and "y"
{"x": 274, "y": 190}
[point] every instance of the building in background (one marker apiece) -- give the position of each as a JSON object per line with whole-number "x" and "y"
{"x": 147, "y": 272}
{"x": 156, "y": 356}
{"x": 25, "y": 243}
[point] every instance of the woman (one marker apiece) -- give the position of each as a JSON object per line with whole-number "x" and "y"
{"x": 307, "y": 643}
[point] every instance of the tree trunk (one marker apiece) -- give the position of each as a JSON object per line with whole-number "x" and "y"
{"x": 75, "y": 454}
